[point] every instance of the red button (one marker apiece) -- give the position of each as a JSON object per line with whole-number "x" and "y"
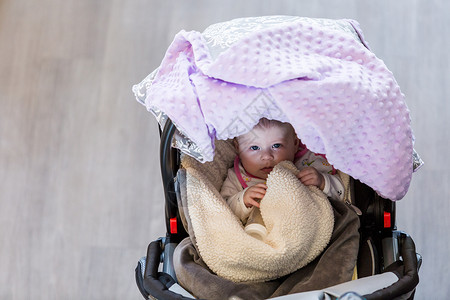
{"x": 387, "y": 220}
{"x": 173, "y": 225}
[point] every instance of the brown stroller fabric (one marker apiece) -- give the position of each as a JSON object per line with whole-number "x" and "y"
{"x": 335, "y": 265}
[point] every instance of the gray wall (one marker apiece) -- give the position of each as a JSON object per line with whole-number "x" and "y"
{"x": 80, "y": 191}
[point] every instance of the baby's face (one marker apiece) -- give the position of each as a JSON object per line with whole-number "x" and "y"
{"x": 262, "y": 148}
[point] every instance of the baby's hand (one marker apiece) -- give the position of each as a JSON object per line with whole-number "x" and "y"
{"x": 310, "y": 176}
{"x": 254, "y": 194}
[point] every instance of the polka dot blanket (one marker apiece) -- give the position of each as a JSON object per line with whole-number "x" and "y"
{"x": 316, "y": 74}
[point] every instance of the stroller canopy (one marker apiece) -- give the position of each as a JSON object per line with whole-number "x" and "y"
{"x": 316, "y": 74}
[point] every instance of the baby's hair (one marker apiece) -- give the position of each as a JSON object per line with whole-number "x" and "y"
{"x": 266, "y": 123}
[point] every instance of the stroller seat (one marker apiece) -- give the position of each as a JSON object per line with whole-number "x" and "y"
{"x": 383, "y": 249}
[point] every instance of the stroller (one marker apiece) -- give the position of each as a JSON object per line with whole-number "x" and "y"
{"x": 387, "y": 264}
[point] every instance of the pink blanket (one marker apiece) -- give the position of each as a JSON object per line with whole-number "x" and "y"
{"x": 341, "y": 99}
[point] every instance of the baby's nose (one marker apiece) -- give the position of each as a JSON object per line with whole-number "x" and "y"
{"x": 267, "y": 155}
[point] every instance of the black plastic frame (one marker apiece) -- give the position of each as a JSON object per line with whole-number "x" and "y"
{"x": 170, "y": 163}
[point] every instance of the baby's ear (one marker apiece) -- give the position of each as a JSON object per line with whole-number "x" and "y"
{"x": 296, "y": 141}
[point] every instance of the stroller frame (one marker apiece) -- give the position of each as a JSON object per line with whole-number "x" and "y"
{"x": 382, "y": 247}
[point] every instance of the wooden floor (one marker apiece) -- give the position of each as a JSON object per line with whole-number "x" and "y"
{"x": 80, "y": 191}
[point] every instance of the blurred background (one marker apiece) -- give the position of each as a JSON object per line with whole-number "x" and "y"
{"x": 80, "y": 188}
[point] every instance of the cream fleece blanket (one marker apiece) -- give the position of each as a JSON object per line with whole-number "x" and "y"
{"x": 299, "y": 222}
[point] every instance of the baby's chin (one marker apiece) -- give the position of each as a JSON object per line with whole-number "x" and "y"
{"x": 264, "y": 176}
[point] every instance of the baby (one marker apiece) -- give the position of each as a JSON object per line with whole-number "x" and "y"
{"x": 259, "y": 150}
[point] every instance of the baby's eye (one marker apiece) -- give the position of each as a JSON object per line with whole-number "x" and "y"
{"x": 254, "y": 147}
{"x": 276, "y": 145}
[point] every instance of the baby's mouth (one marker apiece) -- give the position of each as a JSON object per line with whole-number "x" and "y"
{"x": 267, "y": 169}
